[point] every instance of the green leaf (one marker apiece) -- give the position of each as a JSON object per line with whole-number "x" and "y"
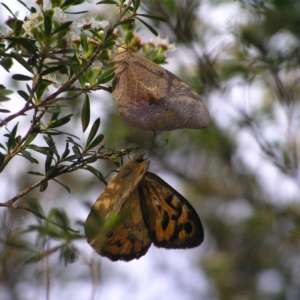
{"x": 42, "y": 150}
{"x": 127, "y": 21}
{"x": 77, "y": 152}
{"x": 35, "y": 173}
{"x": 68, "y": 255}
{"x": 97, "y": 173}
{"x": 63, "y": 185}
{"x": 107, "y": 74}
{"x": 21, "y": 77}
{"x": 6, "y": 63}
{"x": 60, "y": 122}
{"x": 47, "y": 24}
{"x": 23, "y": 94}
{"x": 85, "y": 113}
{"x": 21, "y": 61}
{"x": 48, "y": 139}
{"x": 69, "y": 3}
{"x": 3, "y": 94}
{"x": 93, "y": 131}
{"x": 27, "y": 155}
{"x": 48, "y": 162}
{"x": 158, "y": 18}
{"x": 105, "y": 33}
{"x": 23, "y": 4}
{"x": 43, "y": 186}
{"x": 29, "y": 45}
{"x": 12, "y": 137}
{"x": 4, "y": 111}
{"x": 35, "y": 131}
{"x": 66, "y": 152}
{"x": 53, "y": 69}
{"x": 96, "y": 141}
{"x": 148, "y": 26}
{"x": 62, "y": 27}
{"x": 2, "y": 157}
{"x": 65, "y": 51}
{"x": 9, "y": 10}
{"x": 35, "y": 206}
{"x": 84, "y": 43}
{"x": 103, "y": 79}
{"x": 136, "y": 5}
{"x": 107, "y": 2}
{"x": 73, "y": 142}
{"x": 41, "y": 89}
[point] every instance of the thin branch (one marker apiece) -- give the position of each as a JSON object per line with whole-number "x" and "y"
{"x": 38, "y": 215}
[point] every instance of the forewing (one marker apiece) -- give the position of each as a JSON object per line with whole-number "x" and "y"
{"x": 114, "y": 226}
{"x": 128, "y": 238}
{"x": 151, "y": 98}
{"x": 171, "y": 220}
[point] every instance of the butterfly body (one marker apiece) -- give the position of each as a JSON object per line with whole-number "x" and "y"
{"x": 150, "y": 98}
{"x": 138, "y": 208}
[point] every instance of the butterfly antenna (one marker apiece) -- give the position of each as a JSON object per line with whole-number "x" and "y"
{"x": 167, "y": 141}
{"x": 152, "y": 144}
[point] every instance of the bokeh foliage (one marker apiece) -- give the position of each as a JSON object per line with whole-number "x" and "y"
{"x": 250, "y": 232}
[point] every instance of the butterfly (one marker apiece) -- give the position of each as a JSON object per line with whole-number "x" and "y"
{"x": 138, "y": 208}
{"x": 151, "y": 98}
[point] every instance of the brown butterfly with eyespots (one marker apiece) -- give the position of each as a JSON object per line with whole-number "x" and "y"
{"x": 138, "y": 208}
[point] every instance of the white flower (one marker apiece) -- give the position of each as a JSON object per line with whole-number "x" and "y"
{"x": 158, "y": 41}
{"x": 90, "y": 22}
{"x": 59, "y": 15}
{"x": 32, "y": 22}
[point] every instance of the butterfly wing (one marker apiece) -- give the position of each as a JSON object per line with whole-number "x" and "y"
{"x": 115, "y": 226}
{"x": 151, "y": 98}
{"x": 129, "y": 237}
{"x": 171, "y": 220}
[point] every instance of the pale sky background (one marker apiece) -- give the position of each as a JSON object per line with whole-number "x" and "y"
{"x": 163, "y": 274}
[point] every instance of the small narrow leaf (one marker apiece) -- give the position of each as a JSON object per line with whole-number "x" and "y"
{"x": 35, "y": 173}
{"x": 148, "y": 26}
{"x": 52, "y": 69}
{"x": 158, "y": 18}
{"x": 96, "y": 141}
{"x": 62, "y": 27}
{"x": 127, "y": 21}
{"x": 66, "y": 152}
{"x": 12, "y": 137}
{"x": 97, "y": 173}
{"x": 136, "y": 5}
{"x": 33, "y": 134}
{"x": 60, "y": 122}
{"x": 107, "y": 2}
{"x": 93, "y": 131}
{"x": 23, "y": 94}
{"x": 2, "y": 157}
{"x": 77, "y": 152}
{"x": 35, "y": 206}
{"x": 43, "y": 150}
{"x": 27, "y": 155}
{"x": 48, "y": 162}
{"x": 29, "y": 45}
{"x": 43, "y": 186}
{"x": 85, "y": 113}
{"x": 21, "y": 61}
{"x": 63, "y": 185}
{"x": 21, "y": 77}
{"x": 47, "y": 24}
